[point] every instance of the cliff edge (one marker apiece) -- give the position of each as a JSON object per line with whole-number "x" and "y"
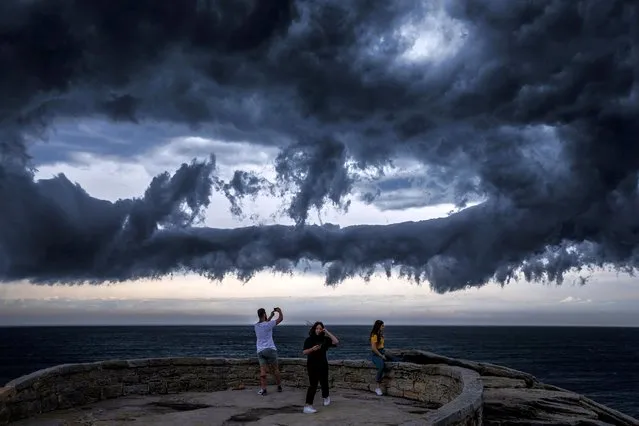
{"x": 513, "y": 397}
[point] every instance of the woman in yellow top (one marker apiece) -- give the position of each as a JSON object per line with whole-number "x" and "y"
{"x": 378, "y": 356}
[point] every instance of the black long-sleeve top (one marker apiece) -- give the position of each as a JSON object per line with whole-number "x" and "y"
{"x": 318, "y": 358}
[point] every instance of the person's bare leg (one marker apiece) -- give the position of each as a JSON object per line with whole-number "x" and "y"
{"x": 263, "y": 372}
{"x": 276, "y": 373}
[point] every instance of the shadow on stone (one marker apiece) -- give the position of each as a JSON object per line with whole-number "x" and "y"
{"x": 179, "y": 406}
{"x": 423, "y": 404}
{"x": 256, "y": 414}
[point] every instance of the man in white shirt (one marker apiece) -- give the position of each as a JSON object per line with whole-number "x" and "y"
{"x": 266, "y": 350}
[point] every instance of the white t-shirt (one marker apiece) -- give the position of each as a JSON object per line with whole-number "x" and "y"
{"x": 264, "y": 334}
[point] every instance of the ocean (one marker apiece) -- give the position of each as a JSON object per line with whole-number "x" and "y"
{"x": 601, "y": 363}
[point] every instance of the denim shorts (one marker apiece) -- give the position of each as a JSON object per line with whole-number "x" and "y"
{"x": 267, "y": 356}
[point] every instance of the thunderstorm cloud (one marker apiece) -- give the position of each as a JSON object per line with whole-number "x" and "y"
{"x": 526, "y": 110}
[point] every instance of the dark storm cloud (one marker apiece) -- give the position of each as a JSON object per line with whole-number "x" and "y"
{"x": 535, "y": 110}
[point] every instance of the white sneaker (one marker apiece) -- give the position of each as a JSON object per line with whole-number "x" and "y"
{"x": 327, "y": 401}
{"x": 308, "y": 409}
{"x": 378, "y": 391}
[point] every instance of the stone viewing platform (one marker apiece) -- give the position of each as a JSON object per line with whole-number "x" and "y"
{"x": 424, "y": 389}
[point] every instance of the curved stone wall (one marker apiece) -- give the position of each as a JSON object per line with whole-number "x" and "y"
{"x": 458, "y": 391}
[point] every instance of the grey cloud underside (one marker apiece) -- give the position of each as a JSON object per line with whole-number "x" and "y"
{"x": 535, "y": 111}
{"x": 152, "y": 236}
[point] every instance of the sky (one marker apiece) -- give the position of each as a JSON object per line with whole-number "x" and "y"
{"x": 434, "y": 162}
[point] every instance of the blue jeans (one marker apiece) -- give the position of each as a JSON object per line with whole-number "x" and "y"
{"x": 379, "y": 364}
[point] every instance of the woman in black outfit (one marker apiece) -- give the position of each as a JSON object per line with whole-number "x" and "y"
{"x": 315, "y": 346}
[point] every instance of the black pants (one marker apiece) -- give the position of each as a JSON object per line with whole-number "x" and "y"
{"x": 316, "y": 373}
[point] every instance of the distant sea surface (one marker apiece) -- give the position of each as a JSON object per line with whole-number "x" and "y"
{"x": 601, "y": 363}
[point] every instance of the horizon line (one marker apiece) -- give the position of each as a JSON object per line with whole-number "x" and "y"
{"x": 333, "y": 325}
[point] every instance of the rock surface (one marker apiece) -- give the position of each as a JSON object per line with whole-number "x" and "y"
{"x": 514, "y": 398}
{"x": 235, "y": 408}
{"x": 434, "y": 390}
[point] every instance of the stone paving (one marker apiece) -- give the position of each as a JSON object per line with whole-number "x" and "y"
{"x": 240, "y": 407}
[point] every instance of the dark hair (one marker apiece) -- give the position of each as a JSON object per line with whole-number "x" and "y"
{"x": 311, "y": 332}
{"x": 376, "y": 331}
{"x": 261, "y": 313}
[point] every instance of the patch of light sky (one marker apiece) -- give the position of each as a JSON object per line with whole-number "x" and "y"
{"x": 432, "y": 37}
{"x": 182, "y": 298}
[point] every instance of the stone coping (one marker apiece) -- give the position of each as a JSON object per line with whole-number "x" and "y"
{"x": 457, "y": 391}
{"x": 467, "y": 405}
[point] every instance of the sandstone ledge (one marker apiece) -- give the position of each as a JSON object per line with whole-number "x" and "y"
{"x": 454, "y": 394}
{"x": 512, "y": 397}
